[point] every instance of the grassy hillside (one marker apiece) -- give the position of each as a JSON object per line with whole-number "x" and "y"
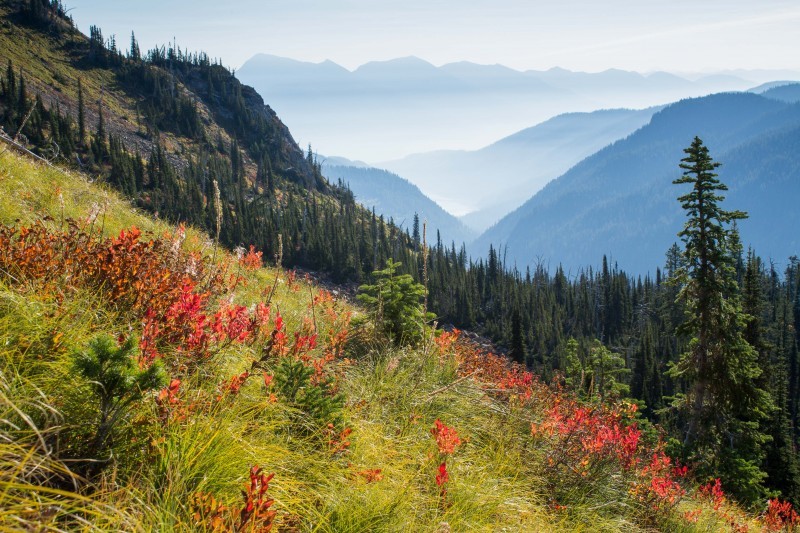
{"x": 252, "y": 366}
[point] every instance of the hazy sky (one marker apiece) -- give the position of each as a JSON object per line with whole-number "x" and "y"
{"x": 590, "y": 35}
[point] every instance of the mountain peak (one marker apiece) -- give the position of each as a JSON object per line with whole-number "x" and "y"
{"x": 405, "y": 63}
{"x": 270, "y": 61}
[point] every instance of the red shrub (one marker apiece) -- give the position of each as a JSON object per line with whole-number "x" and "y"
{"x": 780, "y": 515}
{"x": 713, "y": 492}
{"x": 251, "y": 260}
{"x": 446, "y": 438}
{"x": 443, "y": 476}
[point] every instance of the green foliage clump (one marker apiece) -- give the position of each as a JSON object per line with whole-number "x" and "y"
{"x": 597, "y": 372}
{"x": 395, "y": 304}
{"x": 116, "y": 382}
{"x": 314, "y": 405}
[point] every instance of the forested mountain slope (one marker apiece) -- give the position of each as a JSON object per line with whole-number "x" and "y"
{"x": 789, "y": 92}
{"x": 620, "y": 201}
{"x": 491, "y": 182}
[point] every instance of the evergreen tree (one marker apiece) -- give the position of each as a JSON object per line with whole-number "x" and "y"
{"x": 22, "y": 104}
{"x": 595, "y": 372}
{"x": 517, "y": 352}
{"x": 116, "y": 384}
{"x": 607, "y": 369}
{"x": 719, "y": 415}
{"x": 395, "y": 302}
{"x": 101, "y": 127}
{"x": 135, "y": 54}
{"x": 9, "y": 94}
{"x": 761, "y": 299}
{"x": 646, "y": 378}
{"x": 415, "y": 235}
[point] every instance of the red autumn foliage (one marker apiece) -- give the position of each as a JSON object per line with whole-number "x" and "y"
{"x": 323, "y": 297}
{"x": 251, "y": 260}
{"x": 446, "y": 339}
{"x": 148, "y": 349}
{"x": 257, "y": 503}
{"x": 168, "y": 401}
{"x": 321, "y": 367}
{"x": 209, "y": 514}
{"x": 586, "y": 443}
{"x": 169, "y": 394}
{"x": 713, "y": 492}
{"x": 255, "y": 514}
{"x": 303, "y": 343}
{"x": 190, "y": 328}
{"x": 446, "y": 438}
{"x": 262, "y": 314}
{"x": 656, "y": 486}
{"x": 231, "y": 323}
{"x": 132, "y": 273}
{"x": 291, "y": 279}
{"x": 692, "y": 516}
{"x": 150, "y": 279}
{"x": 235, "y": 383}
{"x": 443, "y": 476}
{"x": 585, "y": 436}
{"x": 496, "y": 373}
{"x": 781, "y": 516}
{"x": 337, "y": 440}
{"x": 371, "y": 475}
{"x": 186, "y": 320}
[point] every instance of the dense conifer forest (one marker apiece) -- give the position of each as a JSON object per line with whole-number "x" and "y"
{"x": 219, "y": 160}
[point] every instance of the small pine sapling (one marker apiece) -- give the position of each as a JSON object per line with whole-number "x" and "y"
{"x": 315, "y": 405}
{"x": 117, "y": 383}
{"x": 396, "y": 304}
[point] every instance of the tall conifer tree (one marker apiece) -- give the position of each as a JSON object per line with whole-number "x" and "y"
{"x": 719, "y": 415}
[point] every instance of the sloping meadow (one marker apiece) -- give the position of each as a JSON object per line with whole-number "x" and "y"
{"x": 153, "y": 381}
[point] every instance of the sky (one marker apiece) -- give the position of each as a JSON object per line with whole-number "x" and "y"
{"x": 678, "y": 36}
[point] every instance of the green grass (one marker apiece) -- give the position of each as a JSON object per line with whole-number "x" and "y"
{"x": 30, "y": 191}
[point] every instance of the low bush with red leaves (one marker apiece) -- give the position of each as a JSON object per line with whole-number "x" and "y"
{"x": 585, "y": 444}
{"x": 255, "y": 514}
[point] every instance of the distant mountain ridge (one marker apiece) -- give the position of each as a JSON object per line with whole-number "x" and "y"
{"x": 375, "y": 112}
{"x": 789, "y": 92}
{"x": 491, "y": 182}
{"x": 621, "y": 201}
